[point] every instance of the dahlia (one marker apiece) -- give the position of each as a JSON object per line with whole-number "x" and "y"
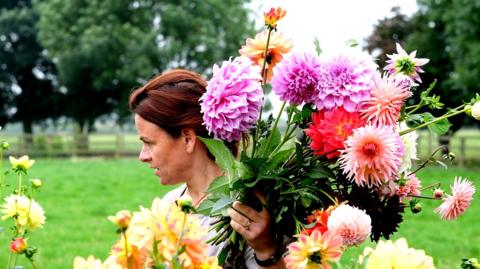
{"x": 233, "y": 99}
{"x": 409, "y": 142}
{"x": 277, "y": 47}
{"x": 404, "y": 63}
{"x": 372, "y": 155}
{"x": 457, "y": 203}
{"x": 319, "y": 220}
{"x": 21, "y": 164}
{"x": 90, "y": 263}
{"x": 126, "y": 256}
{"x": 396, "y": 255}
{"x": 411, "y": 187}
{"x": 295, "y": 78}
{"x": 345, "y": 80}
{"x": 314, "y": 251}
{"x": 350, "y": 223}
{"x": 330, "y": 128}
{"x": 272, "y": 17}
{"x": 387, "y": 99}
{"x": 26, "y": 211}
{"x": 476, "y": 111}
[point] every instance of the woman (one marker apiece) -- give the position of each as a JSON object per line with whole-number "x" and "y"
{"x": 168, "y": 121}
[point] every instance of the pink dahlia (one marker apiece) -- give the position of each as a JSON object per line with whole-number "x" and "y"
{"x": 345, "y": 80}
{"x": 330, "y": 128}
{"x": 406, "y": 64}
{"x": 457, "y": 203}
{"x": 411, "y": 187}
{"x": 387, "y": 99}
{"x": 233, "y": 99}
{"x": 350, "y": 223}
{"x": 296, "y": 77}
{"x": 372, "y": 155}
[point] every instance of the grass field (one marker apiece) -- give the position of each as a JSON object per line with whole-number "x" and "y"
{"x": 78, "y": 195}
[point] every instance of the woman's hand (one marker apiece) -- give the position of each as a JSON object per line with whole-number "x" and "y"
{"x": 256, "y": 228}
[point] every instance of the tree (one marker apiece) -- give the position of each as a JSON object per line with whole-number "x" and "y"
{"x": 27, "y": 91}
{"x": 450, "y": 41}
{"x": 104, "y": 48}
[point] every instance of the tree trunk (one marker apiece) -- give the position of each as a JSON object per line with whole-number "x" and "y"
{"x": 27, "y": 134}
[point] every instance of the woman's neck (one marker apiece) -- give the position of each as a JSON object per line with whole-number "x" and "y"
{"x": 204, "y": 173}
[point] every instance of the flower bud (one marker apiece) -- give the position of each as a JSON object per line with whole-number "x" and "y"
{"x": 18, "y": 245}
{"x": 468, "y": 110}
{"x": 438, "y": 193}
{"x": 121, "y": 219}
{"x": 272, "y": 17}
{"x": 185, "y": 203}
{"x": 5, "y": 145}
{"x": 471, "y": 263}
{"x": 416, "y": 208}
{"x": 36, "y": 183}
{"x": 476, "y": 111}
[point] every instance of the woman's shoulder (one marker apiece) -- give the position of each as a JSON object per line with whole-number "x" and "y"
{"x": 174, "y": 194}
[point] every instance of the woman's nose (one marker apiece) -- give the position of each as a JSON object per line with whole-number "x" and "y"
{"x": 145, "y": 155}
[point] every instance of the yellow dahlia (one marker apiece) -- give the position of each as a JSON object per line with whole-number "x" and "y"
{"x": 314, "y": 251}
{"x": 90, "y": 263}
{"x": 21, "y": 164}
{"x": 277, "y": 47}
{"x": 396, "y": 255}
{"x": 26, "y": 212}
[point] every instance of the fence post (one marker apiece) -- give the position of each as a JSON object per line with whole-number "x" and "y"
{"x": 462, "y": 152}
{"x": 120, "y": 143}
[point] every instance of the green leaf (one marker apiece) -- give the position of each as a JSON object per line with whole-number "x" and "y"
{"x": 352, "y": 43}
{"x": 277, "y": 159}
{"x": 219, "y": 185}
{"x": 275, "y": 140}
{"x": 221, "y": 204}
{"x": 440, "y": 127}
{"x": 223, "y": 157}
{"x": 316, "y": 42}
{"x": 242, "y": 170}
{"x": 321, "y": 172}
{"x": 205, "y": 207}
{"x": 299, "y": 154}
{"x": 222, "y": 257}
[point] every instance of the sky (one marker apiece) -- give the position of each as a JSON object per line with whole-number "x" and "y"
{"x": 333, "y": 21}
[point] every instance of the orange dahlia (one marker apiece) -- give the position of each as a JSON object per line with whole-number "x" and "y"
{"x": 277, "y": 47}
{"x": 273, "y": 16}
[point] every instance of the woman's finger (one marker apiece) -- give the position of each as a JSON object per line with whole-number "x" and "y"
{"x": 247, "y": 211}
{"x": 239, "y": 218}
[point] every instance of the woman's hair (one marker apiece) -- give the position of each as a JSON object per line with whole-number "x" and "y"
{"x": 171, "y": 101}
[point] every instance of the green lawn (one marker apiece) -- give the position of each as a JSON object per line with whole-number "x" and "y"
{"x": 78, "y": 195}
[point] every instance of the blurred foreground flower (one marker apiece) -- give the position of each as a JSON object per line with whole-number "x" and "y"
{"x": 395, "y": 255}
{"x": 90, "y": 263}
{"x": 314, "y": 251}
{"x": 25, "y": 211}
{"x": 457, "y": 203}
{"x": 21, "y": 164}
{"x": 121, "y": 219}
{"x": 18, "y": 245}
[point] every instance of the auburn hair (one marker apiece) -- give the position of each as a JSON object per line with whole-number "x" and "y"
{"x": 171, "y": 101}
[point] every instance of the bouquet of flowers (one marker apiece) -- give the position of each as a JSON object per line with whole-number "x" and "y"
{"x": 342, "y": 167}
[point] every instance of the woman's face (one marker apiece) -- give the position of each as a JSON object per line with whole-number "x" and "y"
{"x": 165, "y": 154}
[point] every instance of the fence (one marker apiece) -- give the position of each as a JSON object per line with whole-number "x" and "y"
{"x": 466, "y": 145}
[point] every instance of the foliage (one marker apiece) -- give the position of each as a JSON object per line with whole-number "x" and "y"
{"x": 24, "y": 66}
{"x": 103, "y": 49}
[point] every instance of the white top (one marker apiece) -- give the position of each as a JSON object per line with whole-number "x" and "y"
{"x": 205, "y": 221}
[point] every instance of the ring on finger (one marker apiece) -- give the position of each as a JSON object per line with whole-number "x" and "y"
{"x": 247, "y": 225}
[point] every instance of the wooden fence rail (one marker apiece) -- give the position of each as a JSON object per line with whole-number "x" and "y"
{"x": 61, "y": 145}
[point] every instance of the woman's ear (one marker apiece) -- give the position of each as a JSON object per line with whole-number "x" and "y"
{"x": 189, "y": 139}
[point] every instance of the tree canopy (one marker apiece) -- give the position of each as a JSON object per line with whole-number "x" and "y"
{"x": 105, "y": 48}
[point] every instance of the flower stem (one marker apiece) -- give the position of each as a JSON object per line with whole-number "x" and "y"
{"x": 1, "y": 173}
{"x": 275, "y": 124}
{"x": 446, "y": 116}
{"x": 264, "y": 72}
{"x": 33, "y": 263}
{"x": 436, "y": 185}
{"x": 425, "y": 162}
{"x": 20, "y": 183}
{"x": 9, "y": 260}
